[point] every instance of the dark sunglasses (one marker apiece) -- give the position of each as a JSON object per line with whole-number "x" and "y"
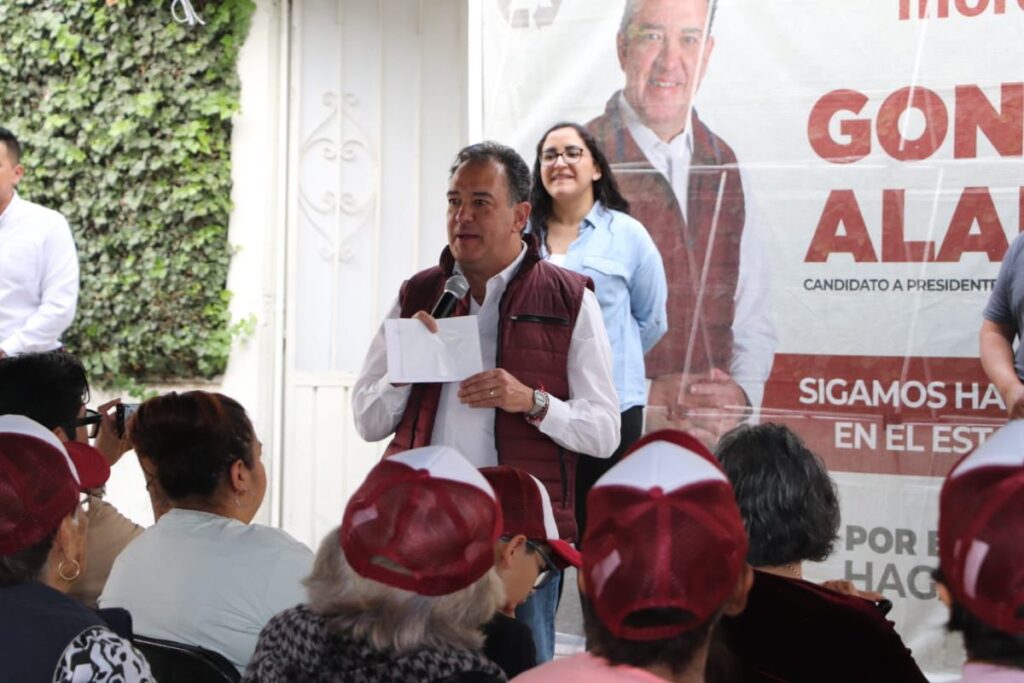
{"x": 550, "y": 568}
{"x": 92, "y": 420}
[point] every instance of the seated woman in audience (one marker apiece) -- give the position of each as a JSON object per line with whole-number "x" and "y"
{"x": 44, "y": 634}
{"x": 203, "y": 574}
{"x": 792, "y": 629}
{"x": 401, "y": 590}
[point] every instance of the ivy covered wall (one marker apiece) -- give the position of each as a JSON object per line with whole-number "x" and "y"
{"x": 125, "y": 120}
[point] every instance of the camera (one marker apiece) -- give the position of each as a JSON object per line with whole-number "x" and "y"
{"x": 124, "y": 411}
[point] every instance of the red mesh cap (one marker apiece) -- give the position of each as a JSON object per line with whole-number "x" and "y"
{"x": 981, "y": 524}
{"x": 663, "y": 532}
{"x": 40, "y": 479}
{"x": 425, "y": 520}
{"x": 526, "y": 509}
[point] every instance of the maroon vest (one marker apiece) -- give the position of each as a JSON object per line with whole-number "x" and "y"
{"x": 684, "y": 244}
{"x": 537, "y": 316}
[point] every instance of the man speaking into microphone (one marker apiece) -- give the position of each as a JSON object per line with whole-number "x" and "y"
{"x": 546, "y": 393}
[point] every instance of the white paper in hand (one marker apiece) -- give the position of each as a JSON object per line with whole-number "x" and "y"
{"x": 415, "y": 354}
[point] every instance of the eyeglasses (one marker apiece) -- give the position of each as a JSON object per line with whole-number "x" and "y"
{"x": 92, "y": 420}
{"x": 571, "y": 154}
{"x": 550, "y": 568}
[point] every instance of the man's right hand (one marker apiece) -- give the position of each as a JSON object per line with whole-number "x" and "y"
{"x": 427, "y": 319}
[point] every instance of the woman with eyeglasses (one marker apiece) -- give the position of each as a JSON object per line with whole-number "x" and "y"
{"x": 583, "y": 223}
{"x": 45, "y": 635}
{"x": 204, "y": 575}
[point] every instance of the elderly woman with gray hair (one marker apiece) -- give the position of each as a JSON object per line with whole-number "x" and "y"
{"x": 401, "y": 590}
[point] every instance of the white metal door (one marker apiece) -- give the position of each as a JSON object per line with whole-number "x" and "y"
{"x": 378, "y": 108}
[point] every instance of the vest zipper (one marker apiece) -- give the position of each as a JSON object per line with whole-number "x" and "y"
{"x": 497, "y": 364}
{"x": 532, "y": 318}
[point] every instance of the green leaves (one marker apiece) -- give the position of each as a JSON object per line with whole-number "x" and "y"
{"x": 125, "y": 120}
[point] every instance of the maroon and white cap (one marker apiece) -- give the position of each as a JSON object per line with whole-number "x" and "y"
{"x": 981, "y": 526}
{"x": 425, "y": 520}
{"x": 526, "y": 509}
{"x": 40, "y": 480}
{"x": 663, "y": 532}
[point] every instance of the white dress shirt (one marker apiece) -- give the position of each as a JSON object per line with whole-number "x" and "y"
{"x": 586, "y": 423}
{"x": 754, "y": 340}
{"x": 38, "y": 277}
{"x": 207, "y": 580}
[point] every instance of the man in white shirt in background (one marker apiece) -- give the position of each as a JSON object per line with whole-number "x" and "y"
{"x": 684, "y": 184}
{"x": 38, "y": 265}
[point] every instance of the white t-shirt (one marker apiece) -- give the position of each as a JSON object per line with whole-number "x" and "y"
{"x": 207, "y": 580}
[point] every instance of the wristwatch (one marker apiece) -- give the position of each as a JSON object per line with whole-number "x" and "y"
{"x": 540, "y": 407}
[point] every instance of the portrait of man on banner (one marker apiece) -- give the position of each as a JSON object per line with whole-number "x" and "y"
{"x": 684, "y": 183}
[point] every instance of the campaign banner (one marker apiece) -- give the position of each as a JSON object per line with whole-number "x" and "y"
{"x": 832, "y": 187}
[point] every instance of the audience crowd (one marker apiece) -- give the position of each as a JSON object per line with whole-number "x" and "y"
{"x": 691, "y": 567}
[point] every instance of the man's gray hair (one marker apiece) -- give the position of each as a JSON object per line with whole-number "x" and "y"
{"x": 395, "y": 620}
{"x": 630, "y": 11}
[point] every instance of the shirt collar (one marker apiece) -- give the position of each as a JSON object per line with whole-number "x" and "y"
{"x": 502, "y": 279}
{"x": 654, "y": 148}
{"x": 597, "y": 217}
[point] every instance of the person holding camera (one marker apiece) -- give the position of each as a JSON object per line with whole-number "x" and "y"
{"x": 52, "y": 389}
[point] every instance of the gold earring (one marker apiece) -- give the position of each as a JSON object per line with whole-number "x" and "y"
{"x": 77, "y": 570}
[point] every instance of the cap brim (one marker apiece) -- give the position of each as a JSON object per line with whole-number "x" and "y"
{"x": 93, "y": 468}
{"x": 565, "y": 554}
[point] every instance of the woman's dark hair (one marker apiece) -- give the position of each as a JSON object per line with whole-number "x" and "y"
{"x": 193, "y": 439}
{"x": 606, "y": 190}
{"x": 789, "y": 503}
{"x": 985, "y": 643}
{"x": 676, "y": 653}
{"x": 26, "y": 564}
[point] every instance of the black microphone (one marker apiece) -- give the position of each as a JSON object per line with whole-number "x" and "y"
{"x": 454, "y": 289}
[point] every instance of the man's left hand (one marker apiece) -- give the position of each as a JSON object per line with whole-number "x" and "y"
{"x": 496, "y": 389}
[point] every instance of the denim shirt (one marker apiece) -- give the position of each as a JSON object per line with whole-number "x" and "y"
{"x": 617, "y": 252}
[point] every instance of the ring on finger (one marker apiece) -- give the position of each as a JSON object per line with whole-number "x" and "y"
{"x": 491, "y": 393}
